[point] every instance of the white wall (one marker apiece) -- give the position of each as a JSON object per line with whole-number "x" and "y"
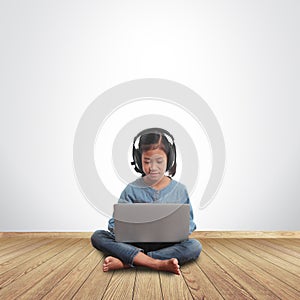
{"x": 241, "y": 57}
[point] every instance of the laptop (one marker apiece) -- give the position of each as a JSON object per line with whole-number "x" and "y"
{"x": 151, "y": 222}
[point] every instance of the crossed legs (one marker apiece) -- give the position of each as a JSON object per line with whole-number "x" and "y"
{"x": 123, "y": 255}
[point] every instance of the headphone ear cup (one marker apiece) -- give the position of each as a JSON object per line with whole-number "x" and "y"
{"x": 137, "y": 160}
{"x": 171, "y": 158}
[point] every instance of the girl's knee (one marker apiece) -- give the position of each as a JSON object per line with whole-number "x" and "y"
{"x": 196, "y": 247}
{"x": 97, "y": 237}
{"x": 96, "y": 234}
{"x": 94, "y": 237}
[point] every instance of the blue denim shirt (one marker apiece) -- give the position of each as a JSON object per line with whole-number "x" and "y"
{"x": 139, "y": 192}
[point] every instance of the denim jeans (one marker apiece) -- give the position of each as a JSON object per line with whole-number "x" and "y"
{"x": 184, "y": 251}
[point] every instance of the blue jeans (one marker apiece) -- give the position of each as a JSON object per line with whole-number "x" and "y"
{"x": 184, "y": 251}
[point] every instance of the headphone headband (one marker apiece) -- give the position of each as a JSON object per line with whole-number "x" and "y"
{"x": 156, "y": 130}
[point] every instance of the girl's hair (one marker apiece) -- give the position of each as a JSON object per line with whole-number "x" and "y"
{"x": 155, "y": 138}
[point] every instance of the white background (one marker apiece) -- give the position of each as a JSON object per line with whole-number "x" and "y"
{"x": 241, "y": 57}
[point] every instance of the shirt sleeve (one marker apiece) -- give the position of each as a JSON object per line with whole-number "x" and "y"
{"x": 124, "y": 198}
{"x": 192, "y": 223}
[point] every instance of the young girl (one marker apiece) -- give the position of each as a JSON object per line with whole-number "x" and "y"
{"x": 153, "y": 158}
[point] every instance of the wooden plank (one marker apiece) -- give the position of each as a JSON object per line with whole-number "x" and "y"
{"x": 258, "y": 271}
{"x": 270, "y": 263}
{"x": 293, "y": 244}
{"x": 121, "y": 285}
{"x": 27, "y": 248}
{"x": 26, "y": 267}
{"x": 40, "y": 268}
{"x": 22, "y": 249}
{"x": 70, "y": 284}
{"x": 147, "y": 284}
{"x": 285, "y": 248}
{"x": 226, "y": 285}
{"x": 198, "y": 283}
{"x": 46, "y": 284}
{"x": 292, "y": 260}
{"x": 21, "y": 259}
{"x": 253, "y": 287}
{"x": 95, "y": 285}
{"x": 174, "y": 287}
{"x": 278, "y": 261}
{"x": 8, "y": 242}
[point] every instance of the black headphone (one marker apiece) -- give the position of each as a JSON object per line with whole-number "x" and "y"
{"x": 137, "y": 153}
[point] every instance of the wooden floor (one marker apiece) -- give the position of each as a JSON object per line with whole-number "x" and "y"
{"x": 69, "y": 268}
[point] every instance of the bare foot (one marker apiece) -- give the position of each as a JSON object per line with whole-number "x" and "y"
{"x": 170, "y": 265}
{"x": 113, "y": 263}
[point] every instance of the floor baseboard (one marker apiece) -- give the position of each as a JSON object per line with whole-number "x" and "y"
{"x": 195, "y": 234}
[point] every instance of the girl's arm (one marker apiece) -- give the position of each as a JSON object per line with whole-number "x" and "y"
{"x": 124, "y": 198}
{"x": 192, "y": 223}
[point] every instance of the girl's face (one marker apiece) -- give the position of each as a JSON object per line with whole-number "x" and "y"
{"x": 154, "y": 163}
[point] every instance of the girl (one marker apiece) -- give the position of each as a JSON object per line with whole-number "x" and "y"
{"x": 154, "y": 156}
